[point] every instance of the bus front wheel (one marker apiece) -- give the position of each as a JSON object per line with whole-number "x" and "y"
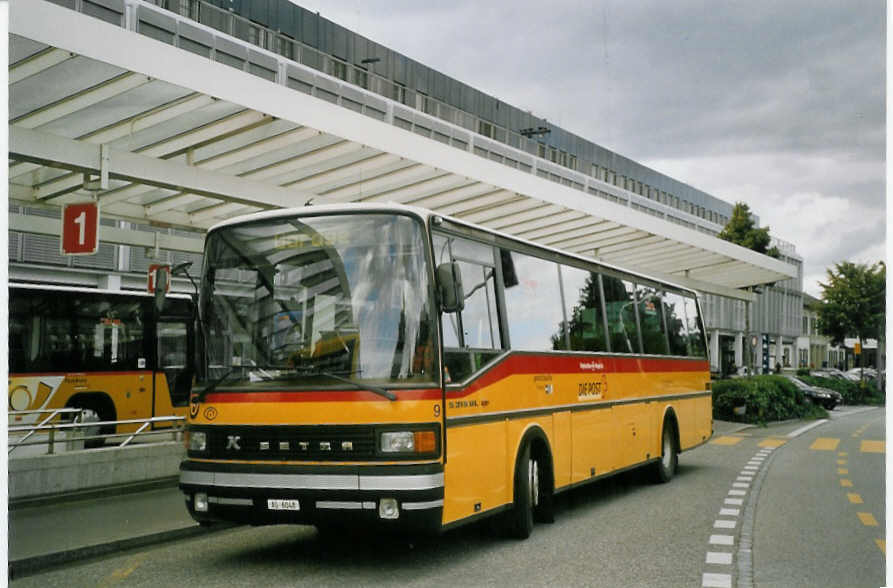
{"x": 526, "y": 495}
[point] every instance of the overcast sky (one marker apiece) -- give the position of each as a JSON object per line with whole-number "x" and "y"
{"x": 780, "y": 104}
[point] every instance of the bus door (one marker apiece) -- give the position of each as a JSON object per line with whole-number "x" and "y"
{"x": 173, "y": 373}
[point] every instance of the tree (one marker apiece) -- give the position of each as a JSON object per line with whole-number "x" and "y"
{"x": 741, "y": 230}
{"x": 853, "y": 301}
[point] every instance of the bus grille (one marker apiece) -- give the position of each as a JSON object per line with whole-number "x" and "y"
{"x": 290, "y": 443}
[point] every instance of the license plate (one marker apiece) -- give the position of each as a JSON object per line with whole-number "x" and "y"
{"x": 282, "y": 504}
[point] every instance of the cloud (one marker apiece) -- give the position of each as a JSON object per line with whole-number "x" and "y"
{"x": 778, "y": 104}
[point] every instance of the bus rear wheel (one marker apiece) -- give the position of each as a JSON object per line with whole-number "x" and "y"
{"x": 665, "y": 467}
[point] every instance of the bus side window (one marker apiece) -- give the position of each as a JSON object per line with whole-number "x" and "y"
{"x": 583, "y": 307}
{"x": 651, "y": 320}
{"x": 674, "y": 312}
{"x": 173, "y": 353}
{"x": 533, "y": 302}
{"x": 471, "y": 338}
{"x": 695, "y": 329}
{"x": 621, "y": 314}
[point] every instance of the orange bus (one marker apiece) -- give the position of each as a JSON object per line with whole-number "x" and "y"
{"x": 372, "y": 364}
{"x": 106, "y": 352}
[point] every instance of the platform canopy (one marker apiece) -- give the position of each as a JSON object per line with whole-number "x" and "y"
{"x": 171, "y": 137}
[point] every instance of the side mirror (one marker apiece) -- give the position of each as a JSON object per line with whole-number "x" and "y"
{"x": 161, "y": 280}
{"x": 449, "y": 283}
{"x": 181, "y": 268}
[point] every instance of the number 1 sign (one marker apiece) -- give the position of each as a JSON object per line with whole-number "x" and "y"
{"x": 80, "y": 228}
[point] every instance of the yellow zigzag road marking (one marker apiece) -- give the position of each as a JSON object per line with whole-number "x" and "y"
{"x": 771, "y": 443}
{"x": 867, "y": 519}
{"x": 825, "y": 444}
{"x": 872, "y": 447}
{"x": 727, "y": 440}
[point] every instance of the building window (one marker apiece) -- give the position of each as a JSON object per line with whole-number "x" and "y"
{"x": 572, "y": 162}
{"x": 339, "y": 70}
{"x": 361, "y": 78}
{"x": 400, "y": 93}
{"x": 286, "y": 47}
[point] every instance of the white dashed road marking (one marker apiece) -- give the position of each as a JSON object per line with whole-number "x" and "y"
{"x": 722, "y": 560}
{"x": 717, "y": 581}
{"x": 719, "y": 558}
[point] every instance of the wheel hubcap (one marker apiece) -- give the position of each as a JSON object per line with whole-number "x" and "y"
{"x": 667, "y": 457}
{"x": 534, "y": 482}
{"x": 88, "y": 415}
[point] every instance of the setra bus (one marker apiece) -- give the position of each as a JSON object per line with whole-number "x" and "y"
{"x": 106, "y": 352}
{"x": 382, "y": 364}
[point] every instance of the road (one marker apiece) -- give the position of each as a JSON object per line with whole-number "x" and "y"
{"x": 755, "y": 507}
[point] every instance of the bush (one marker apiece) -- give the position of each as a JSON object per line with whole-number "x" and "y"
{"x": 767, "y": 398}
{"x": 853, "y": 392}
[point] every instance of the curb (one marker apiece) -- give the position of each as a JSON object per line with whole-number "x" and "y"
{"x": 41, "y": 563}
{"x": 100, "y": 492}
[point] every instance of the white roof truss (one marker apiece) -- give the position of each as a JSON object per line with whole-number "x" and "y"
{"x": 184, "y": 141}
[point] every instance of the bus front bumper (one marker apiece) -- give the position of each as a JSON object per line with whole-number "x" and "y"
{"x": 400, "y": 497}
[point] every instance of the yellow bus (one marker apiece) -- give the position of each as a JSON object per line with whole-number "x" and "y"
{"x": 385, "y": 365}
{"x": 106, "y": 352}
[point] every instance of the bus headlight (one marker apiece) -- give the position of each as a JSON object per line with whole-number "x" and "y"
{"x": 408, "y": 442}
{"x": 197, "y": 440}
{"x": 388, "y": 509}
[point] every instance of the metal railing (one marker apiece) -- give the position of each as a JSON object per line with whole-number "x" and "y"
{"x": 75, "y": 429}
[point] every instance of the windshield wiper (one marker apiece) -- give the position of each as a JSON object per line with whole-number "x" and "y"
{"x": 371, "y": 387}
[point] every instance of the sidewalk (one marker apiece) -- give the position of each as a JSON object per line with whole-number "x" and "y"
{"x": 45, "y": 535}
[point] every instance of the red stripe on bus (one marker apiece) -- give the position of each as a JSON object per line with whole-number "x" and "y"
{"x": 528, "y": 364}
{"x": 320, "y": 396}
{"x": 513, "y": 365}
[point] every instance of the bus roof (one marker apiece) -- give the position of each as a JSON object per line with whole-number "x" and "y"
{"x": 425, "y": 215}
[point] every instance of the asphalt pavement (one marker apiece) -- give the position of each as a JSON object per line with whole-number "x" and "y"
{"x": 47, "y": 535}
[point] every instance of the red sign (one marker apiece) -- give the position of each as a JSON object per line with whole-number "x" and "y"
{"x": 153, "y": 269}
{"x": 80, "y": 228}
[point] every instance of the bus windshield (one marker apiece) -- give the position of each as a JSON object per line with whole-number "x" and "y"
{"x": 318, "y": 301}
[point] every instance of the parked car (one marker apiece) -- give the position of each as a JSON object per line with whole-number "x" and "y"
{"x": 832, "y": 373}
{"x": 856, "y": 374}
{"x": 818, "y": 395}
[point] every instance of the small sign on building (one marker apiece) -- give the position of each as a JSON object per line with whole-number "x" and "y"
{"x": 152, "y": 279}
{"x": 80, "y": 228}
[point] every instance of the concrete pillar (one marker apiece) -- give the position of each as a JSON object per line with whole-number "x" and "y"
{"x": 714, "y": 351}
{"x": 739, "y": 350}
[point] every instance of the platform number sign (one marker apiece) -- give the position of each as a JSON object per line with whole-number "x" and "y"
{"x": 80, "y": 228}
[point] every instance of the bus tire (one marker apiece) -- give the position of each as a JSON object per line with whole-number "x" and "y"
{"x": 526, "y": 495}
{"x": 665, "y": 467}
{"x": 97, "y": 406}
